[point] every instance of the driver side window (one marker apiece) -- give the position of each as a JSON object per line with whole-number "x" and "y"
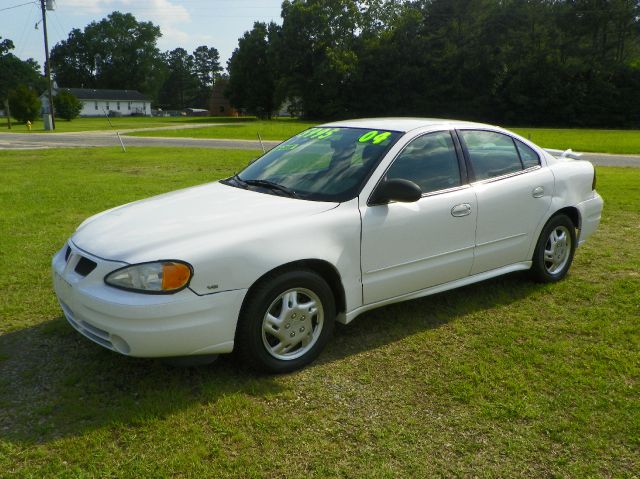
{"x": 430, "y": 161}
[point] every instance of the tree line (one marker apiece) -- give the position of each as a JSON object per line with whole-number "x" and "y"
{"x": 516, "y": 62}
{"x": 119, "y": 52}
{"x": 534, "y": 62}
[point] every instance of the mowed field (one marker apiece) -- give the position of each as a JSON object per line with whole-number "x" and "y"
{"x": 506, "y": 378}
{"x": 582, "y": 140}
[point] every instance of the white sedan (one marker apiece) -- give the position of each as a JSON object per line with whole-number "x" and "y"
{"x": 339, "y": 219}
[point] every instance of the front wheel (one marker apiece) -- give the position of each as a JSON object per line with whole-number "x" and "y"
{"x": 554, "y": 251}
{"x": 285, "y": 322}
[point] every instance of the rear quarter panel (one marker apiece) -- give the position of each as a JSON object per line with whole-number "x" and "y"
{"x": 573, "y": 181}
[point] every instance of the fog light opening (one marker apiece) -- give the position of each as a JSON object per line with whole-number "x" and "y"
{"x": 120, "y": 344}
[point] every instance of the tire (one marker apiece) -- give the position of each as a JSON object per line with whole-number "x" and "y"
{"x": 285, "y": 322}
{"x": 554, "y": 252}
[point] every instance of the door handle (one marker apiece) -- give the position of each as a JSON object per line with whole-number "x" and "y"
{"x": 538, "y": 192}
{"x": 462, "y": 209}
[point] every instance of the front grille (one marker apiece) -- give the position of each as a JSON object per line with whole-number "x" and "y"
{"x": 85, "y": 266}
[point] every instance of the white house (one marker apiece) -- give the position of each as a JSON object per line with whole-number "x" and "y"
{"x": 97, "y": 102}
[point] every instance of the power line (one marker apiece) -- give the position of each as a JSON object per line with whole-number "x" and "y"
{"x": 16, "y": 6}
{"x": 23, "y": 39}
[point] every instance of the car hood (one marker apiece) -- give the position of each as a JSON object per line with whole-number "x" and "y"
{"x": 138, "y": 231}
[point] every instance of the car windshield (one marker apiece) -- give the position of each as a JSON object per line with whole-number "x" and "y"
{"x": 321, "y": 164}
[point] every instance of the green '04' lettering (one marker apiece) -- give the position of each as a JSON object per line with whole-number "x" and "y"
{"x": 374, "y": 137}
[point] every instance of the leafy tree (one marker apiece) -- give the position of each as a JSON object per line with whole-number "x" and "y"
{"x": 545, "y": 62}
{"x": 67, "y": 106}
{"x": 318, "y": 56}
{"x": 15, "y": 72}
{"x": 252, "y": 76}
{"x": 117, "y": 52}
{"x": 25, "y": 104}
{"x": 206, "y": 66}
{"x": 181, "y": 84}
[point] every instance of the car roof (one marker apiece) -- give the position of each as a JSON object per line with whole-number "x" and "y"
{"x": 404, "y": 124}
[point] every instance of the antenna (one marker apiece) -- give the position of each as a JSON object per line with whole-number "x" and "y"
{"x": 261, "y": 144}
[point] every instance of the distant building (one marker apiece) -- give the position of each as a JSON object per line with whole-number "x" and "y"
{"x": 97, "y": 102}
{"x": 219, "y": 104}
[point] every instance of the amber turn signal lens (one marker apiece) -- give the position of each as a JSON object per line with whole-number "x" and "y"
{"x": 175, "y": 276}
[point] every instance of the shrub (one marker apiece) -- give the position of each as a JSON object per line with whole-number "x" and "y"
{"x": 66, "y": 105}
{"x": 24, "y": 104}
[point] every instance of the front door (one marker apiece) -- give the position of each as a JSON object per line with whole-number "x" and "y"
{"x": 407, "y": 247}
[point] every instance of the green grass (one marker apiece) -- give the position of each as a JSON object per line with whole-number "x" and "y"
{"x": 500, "y": 379}
{"x": 119, "y": 123}
{"x": 268, "y": 129}
{"x": 597, "y": 141}
{"x": 584, "y": 140}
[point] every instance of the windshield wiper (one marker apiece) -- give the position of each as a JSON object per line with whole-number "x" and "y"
{"x": 235, "y": 180}
{"x": 269, "y": 184}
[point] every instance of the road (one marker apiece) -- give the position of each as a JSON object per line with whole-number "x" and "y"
{"x": 15, "y": 141}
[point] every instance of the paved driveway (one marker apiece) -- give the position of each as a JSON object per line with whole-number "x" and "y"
{"x": 108, "y": 138}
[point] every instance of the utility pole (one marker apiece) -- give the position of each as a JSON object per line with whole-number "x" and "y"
{"x": 49, "y": 6}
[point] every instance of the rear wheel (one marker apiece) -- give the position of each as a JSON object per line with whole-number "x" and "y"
{"x": 286, "y": 322}
{"x": 554, "y": 252}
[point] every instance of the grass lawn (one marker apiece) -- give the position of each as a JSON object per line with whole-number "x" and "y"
{"x": 279, "y": 129}
{"x": 506, "y": 378}
{"x": 119, "y": 123}
{"x": 597, "y": 141}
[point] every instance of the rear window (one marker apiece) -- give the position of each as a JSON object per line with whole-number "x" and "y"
{"x": 491, "y": 154}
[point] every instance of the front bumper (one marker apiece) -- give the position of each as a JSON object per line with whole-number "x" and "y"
{"x": 139, "y": 324}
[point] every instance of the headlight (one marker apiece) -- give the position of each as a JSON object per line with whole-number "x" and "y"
{"x": 158, "y": 277}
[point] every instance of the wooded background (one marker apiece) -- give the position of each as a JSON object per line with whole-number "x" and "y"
{"x": 515, "y": 62}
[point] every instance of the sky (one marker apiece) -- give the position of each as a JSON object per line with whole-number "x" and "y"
{"x": 184, "y": 23}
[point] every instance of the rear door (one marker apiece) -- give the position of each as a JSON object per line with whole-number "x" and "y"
{"x": 513, "y": 192}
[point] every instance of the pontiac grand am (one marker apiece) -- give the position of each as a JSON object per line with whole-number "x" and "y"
{"x": 339, "y": 219}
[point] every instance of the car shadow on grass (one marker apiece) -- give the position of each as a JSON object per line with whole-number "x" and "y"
{"x": 394, "y": 322}
{"x": 54, "y": 383}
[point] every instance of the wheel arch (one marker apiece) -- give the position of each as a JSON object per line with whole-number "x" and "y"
{"x": 323, "y": 268}
{"x": 572, "y": 212}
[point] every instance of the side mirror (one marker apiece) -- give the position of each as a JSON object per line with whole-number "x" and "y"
{"x": 404, "y": 191}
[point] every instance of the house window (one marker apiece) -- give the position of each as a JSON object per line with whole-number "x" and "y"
{"x": 95, "y": 104}
{"x": 129, "y": 105}
{"x": 118, "y": 105}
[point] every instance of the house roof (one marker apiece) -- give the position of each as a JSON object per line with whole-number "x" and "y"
{"x": 96, "y": 94}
